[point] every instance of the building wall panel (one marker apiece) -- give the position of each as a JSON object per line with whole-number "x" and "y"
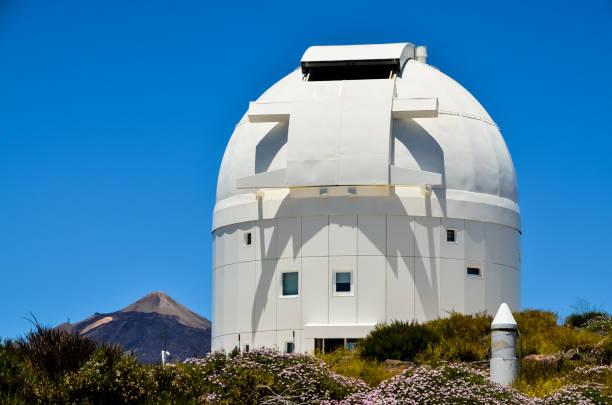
{"x": 343, "y": 309}
{"x": 427, "y": 290}
{"x": 400, "y": 235}
{"x": 315, "y": 236}
{"x": 371, "y": 289}
{"x": 315, "y": 290}
{"x": 452, "y": 278}
{"x": 371, "y": 235}
{"x": 289, "y": 239}
{"x": 427, "y": 237}
{"x": 400, "y": 292}
{"x": 342, "y": 235}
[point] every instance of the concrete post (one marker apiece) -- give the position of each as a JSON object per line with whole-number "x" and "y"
{"x": 504, "y": 364}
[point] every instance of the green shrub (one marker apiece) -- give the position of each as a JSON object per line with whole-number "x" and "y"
{"x": 581, "y": 320}
{"x": 349, "y": 364}
{"x": 542, "y": 335}
{"x": 53, "y": 352}
{"x": 103, "y": 380}
{"x": 462, "y": 338}
{"x": 397, "y": 340}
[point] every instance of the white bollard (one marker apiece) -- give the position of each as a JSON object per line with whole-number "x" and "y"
{"x": 504, "y": 364}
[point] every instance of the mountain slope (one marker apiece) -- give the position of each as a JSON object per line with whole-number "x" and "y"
{"x": 142, "y": 327}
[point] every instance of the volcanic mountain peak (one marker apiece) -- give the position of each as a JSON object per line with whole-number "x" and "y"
{"x": 145, "y": 327}
{"x": 160, "y": 303}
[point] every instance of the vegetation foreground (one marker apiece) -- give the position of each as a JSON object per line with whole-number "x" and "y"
{"x": 445, "y": 361}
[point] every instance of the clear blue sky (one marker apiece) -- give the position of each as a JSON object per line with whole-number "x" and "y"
{"x": 114, "y": 117}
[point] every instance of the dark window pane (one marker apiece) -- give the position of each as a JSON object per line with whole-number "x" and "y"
{"x": 343, "y": 282}
{"x": 289, "y": 347}
{"x": 450, "y": 235}
{"x": 290, "y": 283}
{"x": 473, "y": 271}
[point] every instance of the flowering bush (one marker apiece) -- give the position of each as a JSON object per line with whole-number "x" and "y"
{"x": 443, "y": 384}
{"x": 249, "y": 377}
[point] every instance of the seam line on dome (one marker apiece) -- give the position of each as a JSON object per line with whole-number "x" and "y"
{"x": 470, "y": 116}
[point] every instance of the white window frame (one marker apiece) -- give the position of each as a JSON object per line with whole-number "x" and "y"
{"x": 343, "y": 293}
{"x": 280, "y": 284}
{"x": 470, "y": 266}
{"x": 450, "y": 228}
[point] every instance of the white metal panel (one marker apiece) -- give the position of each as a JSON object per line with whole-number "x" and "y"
{"x": 269, "y": 112}
{"x": 246, "y": 253}
{"x": 474, "y": 240}
{"x": 427, "y": 236}
{"x": 339, "y": 133}
{"x": 363, "y": 148}
{"x": 371, "y": 234}
{"x": 507, "y": 246}
{"x": 245, "y": 295}
{"x": 342, "y": 235}
{"x": 315, "y": 236}
{"x": 427, "y": 288}
{"x": 493, "y": 243}
{"x": 401, "y": 51}
{"x": 452, "y": 250}
{"x": 343, "y": 309}
{"x": 452, "y": 279}
{"x": 313, "y": 133}
{"x": 230, "y": 304}
{"x": 493, "y": 288}
{"x": 265, "y": 238}
{"x": 400, "y": 294}
{"x": 516, "y": 249}
{"x": 507, "y": 275}
{"x": 264, "y": 304}
{"x": 217, "y": 304}
{"x": 283, "y": 336}
{"x": 474, "y": 288}
{"x": 516, "y": 288}
{"x": 288, "y": 309}
{"x": 400, "y": 235}
{"x": 371, "y": 289}
{"x": 406, "y": 108}
{"x": 408, "y": 177}
{"x": 289, "y": 237}
{"x": 315, "y": 289}
{"x": 265, "y": 339}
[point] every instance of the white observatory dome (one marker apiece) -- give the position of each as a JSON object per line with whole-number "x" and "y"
{"x": 362, "y": 136}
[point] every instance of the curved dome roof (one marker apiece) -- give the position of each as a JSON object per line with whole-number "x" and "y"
{"x": 462, "y": 142}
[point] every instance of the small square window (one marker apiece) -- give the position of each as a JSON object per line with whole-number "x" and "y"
{"x": 323, "y": 191}
{"x": 246, "y": 348}
{"x": 248, "y": 239}
{"x": 352, "y": 190}
{"x": 451, "y": 235}
{"x": 474, "y": 272}
{"x": 290, "y": 283}
{"x": 343, "y": 282}
{"x": 289, "y": 347}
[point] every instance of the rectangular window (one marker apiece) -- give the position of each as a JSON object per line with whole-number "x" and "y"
{"x": 248, "y": 239}
{"x": 290, "y": 347}
{"x": 246, "y": 348}
{"x": 451, "y": 235}
{"x": 474, "y": 272}
{"x": 343, "y": 281}
{"x": 290, "y": 283}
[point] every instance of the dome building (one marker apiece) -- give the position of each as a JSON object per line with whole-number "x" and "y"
{"x": 365, "y": 186}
